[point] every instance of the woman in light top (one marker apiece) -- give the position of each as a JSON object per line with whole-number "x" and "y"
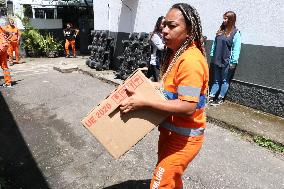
{"x": 157, "y": 46}
{"x": 224, "y": 55}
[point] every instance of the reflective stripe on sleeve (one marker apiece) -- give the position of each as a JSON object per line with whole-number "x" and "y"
{"x": 188, "y": 91}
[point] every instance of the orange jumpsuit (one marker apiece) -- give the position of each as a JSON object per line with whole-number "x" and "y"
{"x": 3, "y": 57}
{"x": 70, "y": 35}
{"x": 67, "y": 44}
{"x": 14, "y": 42}
{"x": 181, "y": 138}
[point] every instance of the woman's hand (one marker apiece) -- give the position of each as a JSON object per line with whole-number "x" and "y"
{"x": 232, "y": 66}
{"x": 132, "y": 102}
{"x": 157, "y": 85}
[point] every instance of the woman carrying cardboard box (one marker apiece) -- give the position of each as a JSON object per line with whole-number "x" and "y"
{"x": 184, "y": 75}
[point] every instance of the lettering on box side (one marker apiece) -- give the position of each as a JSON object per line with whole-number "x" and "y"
{"x": 137, "y": 80}
{"x": 117, "y": 97}
{"x": 103, "y": 110}
{"x": 133, "y": 83}
{"x": 90, "y": 122}
{"x": 122, "y": 92}
{"x": 130, "y": 85}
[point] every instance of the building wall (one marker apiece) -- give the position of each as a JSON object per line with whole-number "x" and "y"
{"x": 258, "y": 81}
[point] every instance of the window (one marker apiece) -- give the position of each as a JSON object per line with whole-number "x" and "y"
{"x": 44, "y": 13}
{"x": 28, "y": 11}
{"x": 39, "y": 13}
{"x": 49, "y": 13}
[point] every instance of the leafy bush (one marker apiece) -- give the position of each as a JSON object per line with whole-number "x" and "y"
{"x": 33, "y": 42}
{"x": 37, "y": 44}
{"x": 51, "y": 46}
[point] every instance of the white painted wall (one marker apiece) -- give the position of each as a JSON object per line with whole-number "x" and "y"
{"x": 261, "y": 22}
{"x": 106, "y": 14}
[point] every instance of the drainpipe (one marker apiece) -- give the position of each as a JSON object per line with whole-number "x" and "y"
{"x": 108, "y": 17}
{"x": 33, "y": 11}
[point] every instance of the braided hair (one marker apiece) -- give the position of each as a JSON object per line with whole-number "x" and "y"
{"x": 193, "y": 23}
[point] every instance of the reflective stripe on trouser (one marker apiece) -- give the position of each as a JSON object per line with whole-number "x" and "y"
{"x": 175, "y": 152}
{"x": 4, "y": 66}
{"x": 182, "y": 130}
{"x": 14, "y": 46}
{"x": 67, "y": 44}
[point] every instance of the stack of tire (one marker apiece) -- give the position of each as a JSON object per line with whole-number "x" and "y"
{"x": 101, "y": 51}
{"x": 136, "y": 54}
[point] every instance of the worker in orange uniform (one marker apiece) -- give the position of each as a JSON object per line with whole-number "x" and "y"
{"x": 4, "y": 44}
{"x": 14, "y": 39}
{"x": 185, "y": 76}
{"x": 70, "y": 35}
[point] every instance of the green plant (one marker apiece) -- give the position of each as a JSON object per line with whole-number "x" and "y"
{"x": 267, "y": 143}
{"x": 33, "y": 41}
{"x": 37, "y": 44}
{"x": 51, "y": 46}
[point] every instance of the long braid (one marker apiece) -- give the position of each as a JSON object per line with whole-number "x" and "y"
{"x": 193, "y": 22}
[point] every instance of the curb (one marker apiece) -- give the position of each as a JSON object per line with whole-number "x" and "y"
{"x": 98, "y": 77}
{"x": 65, "y": 68}
{"x": 231, "y": 127}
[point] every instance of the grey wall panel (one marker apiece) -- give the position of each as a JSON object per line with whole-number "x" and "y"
{"x": 261, "y": 65}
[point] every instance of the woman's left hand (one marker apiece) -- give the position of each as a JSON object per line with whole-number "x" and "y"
{"x": 232, "y": 66}
{"x": 132, "y": 102}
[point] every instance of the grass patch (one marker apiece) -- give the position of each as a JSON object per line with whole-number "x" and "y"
{"x": 268, "y": 143}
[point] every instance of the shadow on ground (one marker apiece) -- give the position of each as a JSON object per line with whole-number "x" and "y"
{"x": 18, "y": 168}
{"x": 131, "y": 184}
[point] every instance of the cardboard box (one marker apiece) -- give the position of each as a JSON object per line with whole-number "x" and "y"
{"x": 119, "y": 132}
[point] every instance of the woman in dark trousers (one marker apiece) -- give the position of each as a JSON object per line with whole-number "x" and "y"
{"x": 224, "y": 55}
{"x": 157, "y": 46}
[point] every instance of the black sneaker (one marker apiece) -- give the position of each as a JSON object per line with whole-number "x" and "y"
{"x": 210, "y": 99}
{"x": 217, "y": 102}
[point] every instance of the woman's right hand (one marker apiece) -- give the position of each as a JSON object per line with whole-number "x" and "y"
{"x": 232, "y": 66}
{"x": 157, "y": 85}
{"x": 133, "y": 101}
